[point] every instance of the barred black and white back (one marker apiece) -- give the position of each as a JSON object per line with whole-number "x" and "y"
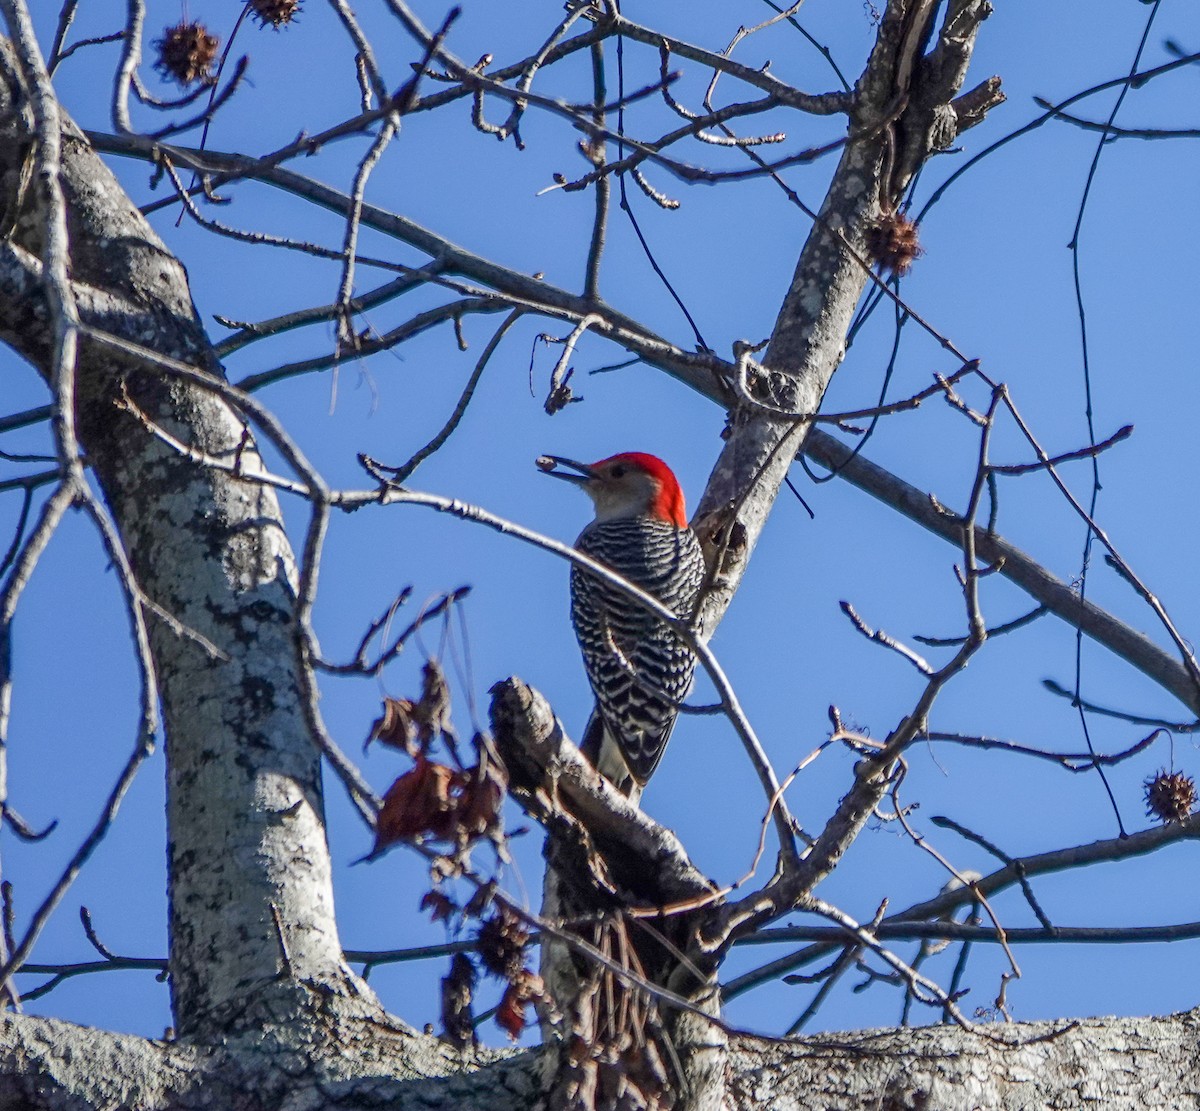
{"x": 639, "y": 669}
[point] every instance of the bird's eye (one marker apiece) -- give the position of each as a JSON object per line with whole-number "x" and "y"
{"x": 618, "y": 471}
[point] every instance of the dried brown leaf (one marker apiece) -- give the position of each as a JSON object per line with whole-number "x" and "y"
{"x": 419, "y": 802}
{"x": 458, "y": 989}
{"x": 431, "y": 714}
{"x": 439, "y": 904}
{"x": 523, "y": 990}
{"x": 396, "y": 727}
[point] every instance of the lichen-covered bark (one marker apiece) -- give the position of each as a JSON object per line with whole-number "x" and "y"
{"x": 246, "y": 833}
{"x": 602, "y": 851}
{"x": 247, "y": 839}
{"x": 50, "y": 1065}
{"x": 1095, "y": 1063}
{"x": 904, "y": 110}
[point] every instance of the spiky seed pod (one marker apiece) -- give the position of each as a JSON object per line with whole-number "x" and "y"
{"x": 892, "y": 242}
{"x": 276, "y": 13}
{"x": 1170, "y": 796}
{"x": 186, "y": 53}
{"x": 502, "y": 940}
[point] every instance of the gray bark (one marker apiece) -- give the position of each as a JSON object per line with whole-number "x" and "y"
{"x": 904, "y": 111}
{"x": 1110, "y": 1063}
{"x": 268, "y": 1013}
{"x": 1095, "y": 1063}
{"x": 246, "y": 835}
{"x": 602, "y": 850}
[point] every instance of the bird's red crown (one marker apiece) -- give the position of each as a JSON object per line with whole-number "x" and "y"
{"x": 668, "y": 504}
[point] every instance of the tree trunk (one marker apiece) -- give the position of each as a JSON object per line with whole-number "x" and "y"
{"x": 251, "y": 901}
{"x": 1110, "y": 1063}
{"x": 907, "y": 106}
{"x": 268, "y": 1013}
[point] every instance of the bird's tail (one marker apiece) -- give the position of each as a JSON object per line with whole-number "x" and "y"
{"x": 604, "y": 754}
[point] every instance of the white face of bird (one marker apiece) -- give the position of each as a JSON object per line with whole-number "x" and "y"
{"x": 623, "y": 486}
{"x": 620, "y": 490}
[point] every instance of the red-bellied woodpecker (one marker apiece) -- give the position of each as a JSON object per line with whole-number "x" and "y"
{"x": 640, "y": 670}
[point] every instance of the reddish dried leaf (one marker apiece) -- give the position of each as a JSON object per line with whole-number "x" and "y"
{"x": 482, "y": 797}
{"x": 510, "y": 1015}
{"x": 440, "y": 906}
{"x": 418, "y": 802}
{"x": 395, "y": 727}
{"x": 524, "y": 988}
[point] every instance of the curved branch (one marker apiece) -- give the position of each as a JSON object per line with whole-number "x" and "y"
{"x": 1056, "y": 860}
{"x": 1015, "y": 565}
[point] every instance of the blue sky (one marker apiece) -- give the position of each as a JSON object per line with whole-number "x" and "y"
{"x": 996, "y": 278}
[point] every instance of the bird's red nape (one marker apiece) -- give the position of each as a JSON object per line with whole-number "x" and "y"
{"x": 668, "y": 504}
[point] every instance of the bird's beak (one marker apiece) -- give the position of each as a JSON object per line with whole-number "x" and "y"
{"x": 549, "y": 464}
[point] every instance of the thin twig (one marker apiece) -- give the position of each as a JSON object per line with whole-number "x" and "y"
{"x": 143, "y": 748}
{"x": 1120, "y": 715}
{"x": 993, "y": 630}
{"x": 962, "y": 879}
{"x": 880, "y": 637}
{"x": 1187, "y": 657}
{"x": 66, "y": 17}
{"x": 1070, "y": 761}
{"x": 453, "y": 311}
{"x": 248, "y": 333}
{"x": 216, "y": 102}
{"x": 1056, "y": 860}
{"x": 26, "y": 418}
{"x": 131, "y": 56}
{"x": 559, "y": 393}
{"x": 365, "y": 53}
{"x": 1109, "y": 130}
{"x": 1089, "y": 452}
{"x": 99, "y": 40}
{"x": 1001, "y": 855}
{"x": 603, "y": 186}
{"x": 345, "y": 293}
{"x": 404, "y": 472}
